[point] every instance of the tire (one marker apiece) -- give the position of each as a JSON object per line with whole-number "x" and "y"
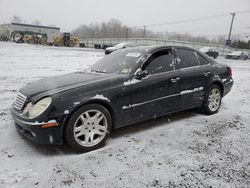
{"x": 31, "y": 41}
{"x": 71, "y": 44}
{"x": 212, "y": 108}
{"x": 88, "y": 128}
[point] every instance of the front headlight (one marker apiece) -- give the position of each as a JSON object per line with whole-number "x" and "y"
{"x": 37, "y": 109}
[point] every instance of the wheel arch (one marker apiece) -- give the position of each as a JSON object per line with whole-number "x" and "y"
{"x": 105, "y": 104}
{"x": 94, "y": 101}
{"x": 218, "y": 83}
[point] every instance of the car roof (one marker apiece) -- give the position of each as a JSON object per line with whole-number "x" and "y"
{"x": 158, "y": 47}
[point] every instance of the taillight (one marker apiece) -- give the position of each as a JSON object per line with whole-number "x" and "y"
{"x": 229, "y": 72}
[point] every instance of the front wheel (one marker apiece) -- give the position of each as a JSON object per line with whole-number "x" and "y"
{"x": 212, "y": 100}
{"x": 88, "y": 128}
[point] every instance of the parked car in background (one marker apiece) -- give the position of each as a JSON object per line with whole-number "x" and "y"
{"x": 117, "y": 47}
{"x": 125, "y": 87}
{"x": 3, "y": 38}
{"x": 212, "y": 52}
{"x": 237, "y": 55}
{"x": 4, "y": 35}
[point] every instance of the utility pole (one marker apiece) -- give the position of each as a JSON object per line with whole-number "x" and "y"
{"x": 126, "y": 32}
{"x": 92, "y": 36}
{"x": 230, "y": 30}
{"x": 144, "y": 31}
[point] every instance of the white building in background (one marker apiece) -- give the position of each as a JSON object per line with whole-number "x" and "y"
{"x": 50, "y": 31}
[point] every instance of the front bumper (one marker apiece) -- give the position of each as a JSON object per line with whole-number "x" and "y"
{"x": 32, "y": 129}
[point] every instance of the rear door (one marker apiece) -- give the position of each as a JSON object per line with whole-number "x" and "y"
{"x": 194, "y": 77}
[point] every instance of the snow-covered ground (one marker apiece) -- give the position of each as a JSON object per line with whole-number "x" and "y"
{"x": 186, "y": 149}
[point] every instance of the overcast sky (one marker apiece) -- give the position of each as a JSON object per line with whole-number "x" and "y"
{"x": 68, "y": 14}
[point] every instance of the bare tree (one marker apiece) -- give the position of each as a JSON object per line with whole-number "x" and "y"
{"x": 17, "y": 19}
{"x": 36, "y": 22}
{"x": 115, "y": 29}
{"x": 52, "y": 25}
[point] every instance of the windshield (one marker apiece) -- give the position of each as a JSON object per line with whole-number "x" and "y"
{"x": 121, "y": 62}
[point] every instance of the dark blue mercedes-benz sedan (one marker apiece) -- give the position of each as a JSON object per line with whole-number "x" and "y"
{"x": 125, "y": 87}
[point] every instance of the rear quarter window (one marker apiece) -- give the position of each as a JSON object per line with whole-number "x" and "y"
{"x": 202, "y": 60}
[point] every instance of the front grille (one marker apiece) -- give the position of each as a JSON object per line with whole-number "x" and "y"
{"x": 20, "y": 101}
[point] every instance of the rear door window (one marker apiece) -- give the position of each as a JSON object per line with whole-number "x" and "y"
{"x": 186, "y": 58}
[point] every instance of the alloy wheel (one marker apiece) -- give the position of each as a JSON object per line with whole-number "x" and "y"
{"x": 90, "y": 128}
{"x": 214, "y": 99}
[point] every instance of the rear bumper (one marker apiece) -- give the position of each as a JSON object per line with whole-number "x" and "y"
{"x": 33, "y": 130}
{"x": 228, "y": 84}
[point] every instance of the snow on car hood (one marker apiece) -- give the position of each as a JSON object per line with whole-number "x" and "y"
{"x": 63, "y": 82}
{"x": 235, "y": 53}
{"x": 204, "y": 49}
{"x": 111, "y": 48}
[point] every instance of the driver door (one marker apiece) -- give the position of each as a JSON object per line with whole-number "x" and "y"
{"x": 158, "y": 92}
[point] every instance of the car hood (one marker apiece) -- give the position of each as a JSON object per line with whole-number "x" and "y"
{"x": 65, "y": 82}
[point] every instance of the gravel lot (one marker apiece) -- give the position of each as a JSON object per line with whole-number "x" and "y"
{"x": 186, "y": 149}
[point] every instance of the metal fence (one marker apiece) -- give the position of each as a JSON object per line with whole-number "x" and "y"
{"x": 149, "y": 41}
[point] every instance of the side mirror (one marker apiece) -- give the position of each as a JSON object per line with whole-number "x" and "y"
{"x": 141, "y": 74}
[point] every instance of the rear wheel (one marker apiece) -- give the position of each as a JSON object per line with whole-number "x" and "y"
{"x": 88, "y": 128}
{"x": 212, "y": 100}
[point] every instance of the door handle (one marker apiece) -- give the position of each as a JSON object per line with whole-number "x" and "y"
{"x": 206, "y": 73}
{"x": 173, "y": 80}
